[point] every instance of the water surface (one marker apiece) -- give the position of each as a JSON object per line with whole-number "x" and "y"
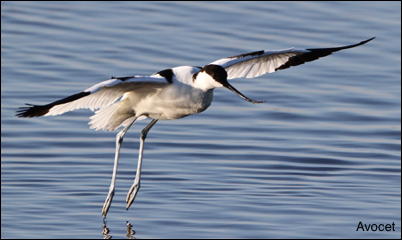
{"x": 322, "y": 153}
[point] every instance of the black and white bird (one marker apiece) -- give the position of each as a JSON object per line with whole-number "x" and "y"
{"x": 168, "y": 94}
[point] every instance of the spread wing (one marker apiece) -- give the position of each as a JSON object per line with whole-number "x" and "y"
{"x": 254, "y": 64}
{"x": 99, "y": 95}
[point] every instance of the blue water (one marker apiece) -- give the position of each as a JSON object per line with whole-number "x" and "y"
{"x": 322, "y": 154}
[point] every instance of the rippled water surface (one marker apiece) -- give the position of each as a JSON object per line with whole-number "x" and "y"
{"x": 322, "y": 153}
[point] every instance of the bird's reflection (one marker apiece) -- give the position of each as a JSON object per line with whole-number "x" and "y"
{"x": 129, "y": 231}
{"x": 105, "y": 232}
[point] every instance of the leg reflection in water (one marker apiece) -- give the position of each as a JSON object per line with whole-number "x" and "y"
{"x": 129, "y": 231}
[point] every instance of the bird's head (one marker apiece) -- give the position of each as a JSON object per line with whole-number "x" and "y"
{"x": 214, "y": 76}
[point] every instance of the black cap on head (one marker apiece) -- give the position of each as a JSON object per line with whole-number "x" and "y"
{"x": 216, "y": 72}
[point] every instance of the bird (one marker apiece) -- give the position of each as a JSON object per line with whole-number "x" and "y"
{"x": 169, "y": 94}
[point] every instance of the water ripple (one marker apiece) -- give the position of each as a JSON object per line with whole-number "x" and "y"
{"x": 322, "y": 154}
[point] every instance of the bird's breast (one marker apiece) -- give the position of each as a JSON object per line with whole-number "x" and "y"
{"x": 175, "y": 102}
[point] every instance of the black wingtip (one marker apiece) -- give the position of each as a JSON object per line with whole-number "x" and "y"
{"x": 366, "y": 41}
{"x": 32, "y": 111}
{"x": 327, "y": 51}
{"x": 360, "y": 43}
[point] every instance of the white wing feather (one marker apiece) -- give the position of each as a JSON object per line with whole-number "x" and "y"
{"x": 254, "y": 65}
{"x": 104, "y": 94}
{"x": 257, "y": 63}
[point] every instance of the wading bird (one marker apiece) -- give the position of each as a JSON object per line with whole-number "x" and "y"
{"x": 168, "y": 94}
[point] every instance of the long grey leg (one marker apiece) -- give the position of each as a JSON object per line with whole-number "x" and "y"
{"x": 119, "y": 140}
{"x": 132, "y": 193}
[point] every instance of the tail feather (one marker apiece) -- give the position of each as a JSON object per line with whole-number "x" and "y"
{"x": 111, "y": 117}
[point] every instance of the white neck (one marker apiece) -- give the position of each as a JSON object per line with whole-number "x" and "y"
{"x": 205, "y": 82}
